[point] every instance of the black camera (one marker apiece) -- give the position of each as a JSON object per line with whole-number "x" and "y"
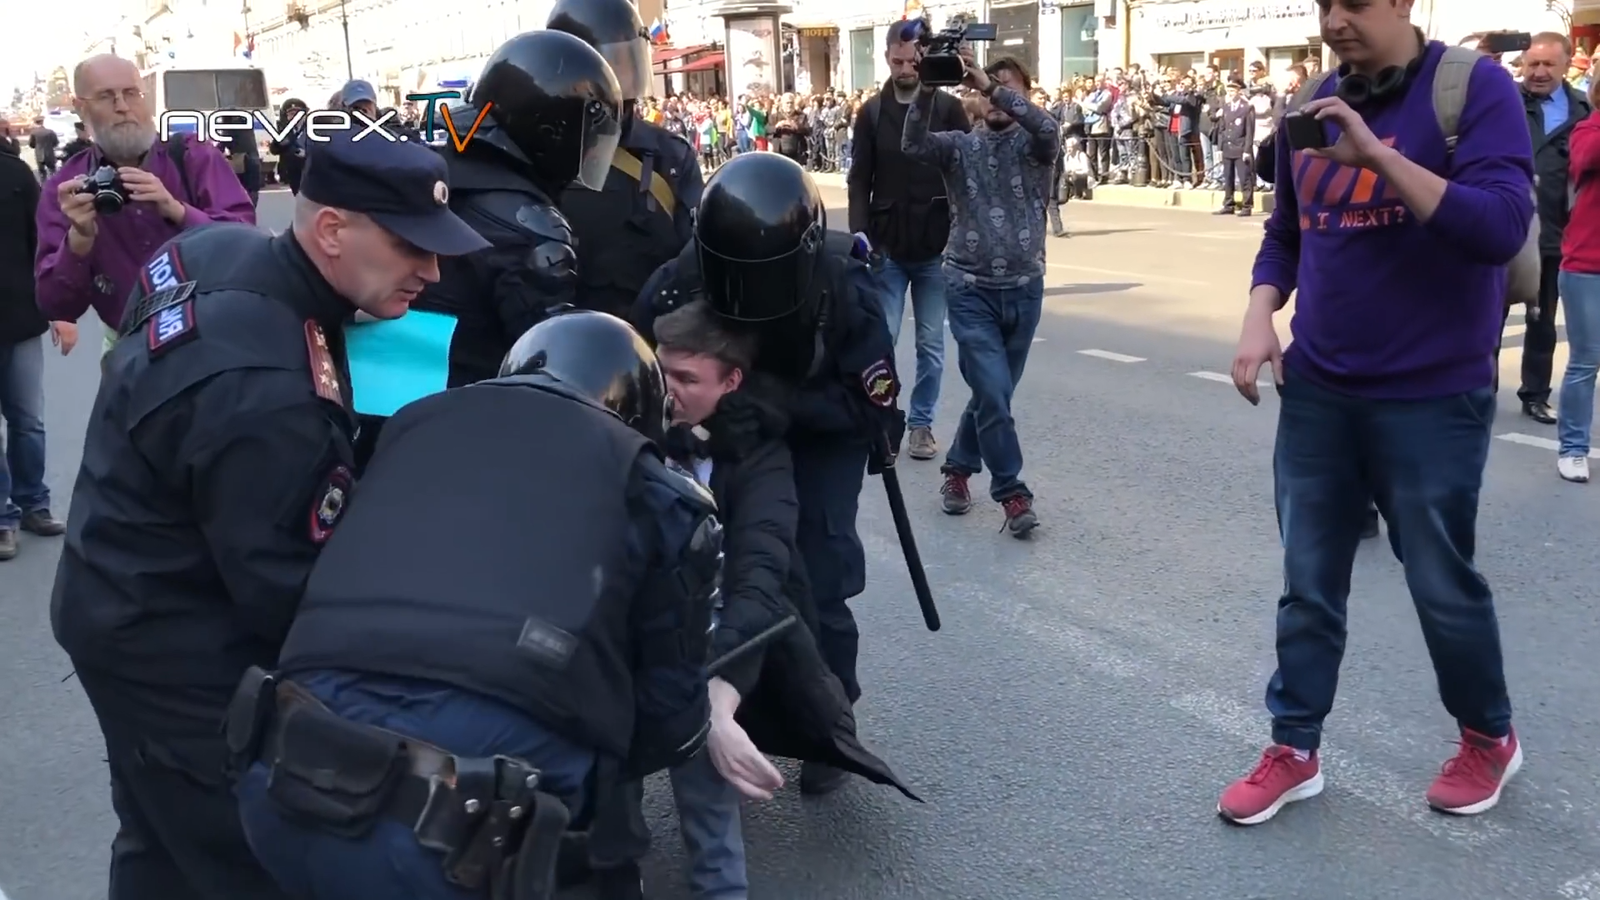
{"x": 105, "y": 186}
{"x": 941, "y": 64}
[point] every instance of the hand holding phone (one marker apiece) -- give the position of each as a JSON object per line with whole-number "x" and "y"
{"x": 1305, "y": 131}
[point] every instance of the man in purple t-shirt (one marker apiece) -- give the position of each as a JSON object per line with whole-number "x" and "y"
{"x": 1397, "y": 245}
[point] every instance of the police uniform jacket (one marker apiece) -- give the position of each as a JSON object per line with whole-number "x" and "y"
{"x": 1236, "y": 128}
{"x": 551, "y": 603}
{"x": 642, "y": 218}
{"x": 216, "y": 463}
{"x": 498, "y": 293}
{"x": 841, "y": 365}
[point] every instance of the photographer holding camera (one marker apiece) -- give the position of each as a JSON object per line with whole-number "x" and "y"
{"x": 999, "y": 182}
{"x": 106, "y": 212}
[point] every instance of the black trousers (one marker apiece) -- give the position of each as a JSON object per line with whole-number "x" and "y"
{"x": 178, "y": 831}
{"x": 1539, "y": 343}
{"x": 1238, "y": 172}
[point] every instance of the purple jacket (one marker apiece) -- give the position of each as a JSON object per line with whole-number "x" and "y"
{"x": 67, "y": 285}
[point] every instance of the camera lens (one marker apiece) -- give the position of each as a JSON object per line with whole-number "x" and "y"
{"x": 107, "y": 202}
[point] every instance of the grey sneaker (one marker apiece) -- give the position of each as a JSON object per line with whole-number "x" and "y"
{"x": 957, "y": 497}
{"x": 8, "y": 543}
{"x": 921, "y": 444}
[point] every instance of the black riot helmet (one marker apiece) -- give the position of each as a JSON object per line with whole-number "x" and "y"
{"x": 759, "y": 232}
{"x": 556, "y": 100}
{"x": 600, "y": 357}
{"x": 614, "y": 28}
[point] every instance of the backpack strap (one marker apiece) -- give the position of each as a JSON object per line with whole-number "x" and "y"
{"x": 177, "y": 146}
{"x": 1307, "y": 91}
{"x": 1450, "y": 90}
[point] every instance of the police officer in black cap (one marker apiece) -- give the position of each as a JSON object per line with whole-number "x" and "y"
{"x": 434, "y": 716}
{"x": 763, "y": 257}
{"x": 217, "y": 463}
{"x": 551, "y": 115}
{"x": 644, "y": 215}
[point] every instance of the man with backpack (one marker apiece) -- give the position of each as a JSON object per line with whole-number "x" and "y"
{"x": 107, "y": 211}
{"x": 1401, "y": 234}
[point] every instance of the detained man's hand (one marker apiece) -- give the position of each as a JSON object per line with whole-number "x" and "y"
{"x": 732, "y": 753}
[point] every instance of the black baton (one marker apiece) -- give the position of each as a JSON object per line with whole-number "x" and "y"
{"x": 908, "y": 547}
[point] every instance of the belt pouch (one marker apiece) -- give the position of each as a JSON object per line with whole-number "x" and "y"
{"x": 249, "y": 714}
{"x": 332, "y": 773}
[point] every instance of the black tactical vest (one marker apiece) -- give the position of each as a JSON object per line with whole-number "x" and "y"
{"x": 623, "y": 236}
{"x": 532, "y": 605}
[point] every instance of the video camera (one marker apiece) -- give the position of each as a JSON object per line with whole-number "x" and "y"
{"x": 941, "y": 64}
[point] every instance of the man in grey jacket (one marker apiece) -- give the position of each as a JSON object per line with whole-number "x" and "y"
{"x": 998, "y": 180}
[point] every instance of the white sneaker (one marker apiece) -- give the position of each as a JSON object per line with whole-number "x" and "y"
{"x": 1573, "y": 468}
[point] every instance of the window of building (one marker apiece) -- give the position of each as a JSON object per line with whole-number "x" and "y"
{"x": 1080, "y": 50}
{"x": 1183, "y": 62}
{"x": 863, "y": 59}
{"x": 1279, "y": 59}
{"x": 1016, "y": 27}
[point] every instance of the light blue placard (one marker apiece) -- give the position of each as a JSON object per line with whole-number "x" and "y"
{"x": 397, "y": 361}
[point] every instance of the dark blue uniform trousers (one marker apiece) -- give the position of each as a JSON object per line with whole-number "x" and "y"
{"x": 829, "y": 478}
{"x": 389, "y": 864}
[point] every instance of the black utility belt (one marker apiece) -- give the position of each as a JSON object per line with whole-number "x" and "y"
{"x": 486, "y": 816}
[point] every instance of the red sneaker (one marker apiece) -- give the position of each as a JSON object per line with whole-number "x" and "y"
{"x": 1471, "y": 781}
{"x": 1279, "y": 779}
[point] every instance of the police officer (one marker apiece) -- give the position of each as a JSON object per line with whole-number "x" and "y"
{"x": 762, "y": 255}
{"x": 551, "y": 116}
{"x": 644, "y": 214}
{"x": 217, "y": 463}
{"x": 435, "y": 715}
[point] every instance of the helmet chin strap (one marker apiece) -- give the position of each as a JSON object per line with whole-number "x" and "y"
{"x": 630, "y": 113}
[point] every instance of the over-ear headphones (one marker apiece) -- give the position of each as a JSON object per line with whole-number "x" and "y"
{"x": 1361, "y": 90}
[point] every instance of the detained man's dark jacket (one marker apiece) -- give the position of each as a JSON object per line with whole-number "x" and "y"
{"x": 792, "y": 706}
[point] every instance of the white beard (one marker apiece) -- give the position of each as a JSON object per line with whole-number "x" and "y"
{"x": 126, "y": 142}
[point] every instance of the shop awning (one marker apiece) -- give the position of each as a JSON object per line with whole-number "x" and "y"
{"x": 705, "y": 63}
{"x": 664, "y": 55}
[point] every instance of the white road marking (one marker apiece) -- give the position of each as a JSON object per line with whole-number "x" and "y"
{"x": 1584, "y": 887}
{"x": 1395, "y": 797}
{"x": 1220, "y": 378}
{"x": 1035, "y": 340}
{"x": 1543, "y": 443}
{"x": 1513, "y": 330}
{"x": 1133, "y": 277}
{"x": 1114, "y": 357}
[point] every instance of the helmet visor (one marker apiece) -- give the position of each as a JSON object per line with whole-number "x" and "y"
{"x": 630, "y": 60}
{"x": 602, "y": 133}
{"x": 755, "y": 290}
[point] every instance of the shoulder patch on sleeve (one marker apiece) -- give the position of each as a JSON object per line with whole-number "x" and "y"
{"x": 329, "y": 502}
{"x": 880, "y": 383}
{"x": 164, "y": 271}
{"x": 324, "y": 377}
{"x": 151, "y": 304}
{"x": 172, "y": 326}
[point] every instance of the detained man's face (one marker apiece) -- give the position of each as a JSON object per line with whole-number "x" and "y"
{"x": 696, "y": 383}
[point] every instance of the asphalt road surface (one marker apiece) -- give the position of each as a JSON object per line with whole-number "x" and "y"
{"x": 1094, "y": 688}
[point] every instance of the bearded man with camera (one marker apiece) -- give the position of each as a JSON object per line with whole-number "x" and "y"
{"x": 107, "y": 211}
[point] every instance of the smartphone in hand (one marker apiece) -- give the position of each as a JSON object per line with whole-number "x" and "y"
{"x": 1305, "y": 131}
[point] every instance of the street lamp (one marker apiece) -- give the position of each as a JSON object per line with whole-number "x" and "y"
{"x": 349, "y": 65}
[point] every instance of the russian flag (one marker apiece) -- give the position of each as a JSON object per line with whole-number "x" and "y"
{"x": 658, "y": 32}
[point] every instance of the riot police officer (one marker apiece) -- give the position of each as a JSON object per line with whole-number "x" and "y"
{"x": 762, "y": 255}
{"x": 217, "y": 463}
{"x": 644, "y": 214}
{"x": 435, "y": 715}
{"x": 551, "y": 115}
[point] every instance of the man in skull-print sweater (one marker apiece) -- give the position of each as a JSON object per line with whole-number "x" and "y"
{"x": 998, "y": 179}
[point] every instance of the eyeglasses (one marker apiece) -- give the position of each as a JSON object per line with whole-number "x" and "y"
{"x": 110, "y": 96}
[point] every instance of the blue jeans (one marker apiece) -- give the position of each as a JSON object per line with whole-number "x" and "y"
{"x": 388, "y": 863}
{"x": 926, "y": 283}
{"x": 22, "y": 488}
{"x": 993, "y": 328}
{"x": 708, "y": 819}
{"x": 1422, "y": 461}
{"x": 1575, "y": 409}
